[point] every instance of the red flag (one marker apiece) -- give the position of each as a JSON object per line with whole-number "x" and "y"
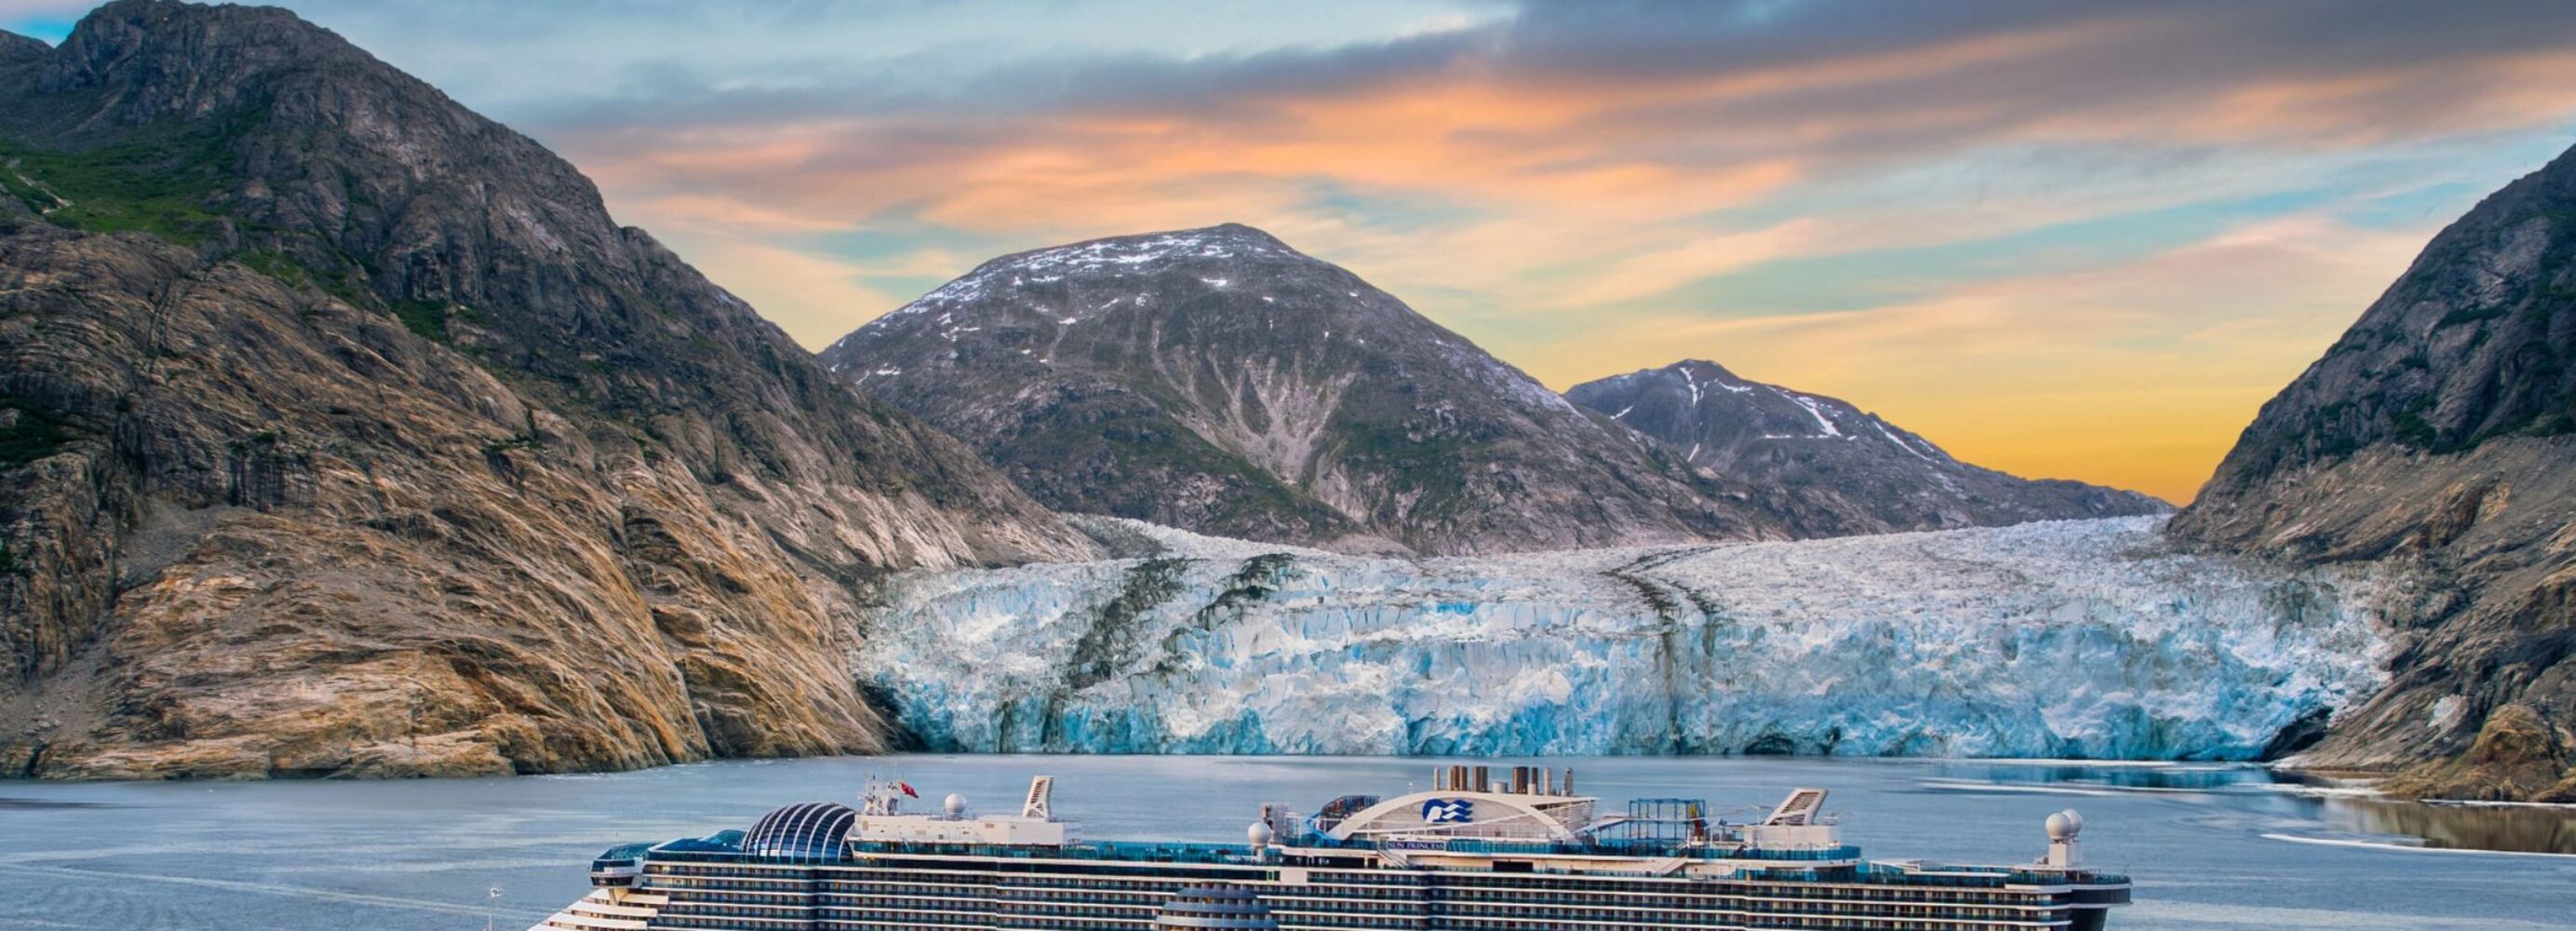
{"x": 907, "y": 789}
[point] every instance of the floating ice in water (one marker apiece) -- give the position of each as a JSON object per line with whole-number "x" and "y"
{"x": 2060, "y": 639}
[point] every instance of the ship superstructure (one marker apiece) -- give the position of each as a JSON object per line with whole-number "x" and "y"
{"x": 1525, "y": 852}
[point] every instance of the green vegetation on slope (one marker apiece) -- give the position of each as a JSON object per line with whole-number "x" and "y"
{"x": 153, "y": 183}
{"x": 173, "y": 184}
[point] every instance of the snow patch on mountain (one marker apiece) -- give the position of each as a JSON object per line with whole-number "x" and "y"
{"x": 1116, "y": 256}
{"x": 1814, "y": 409}
{"x": 2072, "y": 638}
{"x": 1900, "y": 443}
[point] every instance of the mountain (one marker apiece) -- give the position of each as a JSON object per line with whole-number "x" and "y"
{"x": 1219, "y": 381}
{"x": 342, "y": 431}
{"x": 1837, "y": 469}
{"x": 2438, "y": 437}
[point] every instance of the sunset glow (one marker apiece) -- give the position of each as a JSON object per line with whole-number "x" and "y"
{"x": 2063, "y": 240}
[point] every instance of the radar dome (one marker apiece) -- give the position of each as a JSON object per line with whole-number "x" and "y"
{"x": 1259, "y": 834}
{"x": 955, "y": 805}
{"x": 2064, "y": 825}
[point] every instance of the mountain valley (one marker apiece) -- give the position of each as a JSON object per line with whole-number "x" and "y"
{"x": 344, "y": 432}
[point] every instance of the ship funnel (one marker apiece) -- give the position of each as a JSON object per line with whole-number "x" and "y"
{"x": 1041, "y": 801}
{"x": 1803, "y": 806}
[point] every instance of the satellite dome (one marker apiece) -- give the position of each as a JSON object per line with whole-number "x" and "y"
{"x": 955, "y": 805}
{"x": 2064, "y": 825}
{"x": 811, "y": 831}
{"x": 1259, "y": 834}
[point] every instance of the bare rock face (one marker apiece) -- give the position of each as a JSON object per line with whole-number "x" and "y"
{"x": 343, "y": 432}
{"x": 17, "y": 48}
{"x": 1833, "y": 469}
{"x": 2435, "y": 438}
{"x": 2516, "y": 756}
{"x": 1219, "y": 381}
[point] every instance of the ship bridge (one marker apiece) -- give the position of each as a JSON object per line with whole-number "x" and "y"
{"x": 882, "y": 820}
{"x": 1535, "y": 806}
{"x": 1467, "y": 802}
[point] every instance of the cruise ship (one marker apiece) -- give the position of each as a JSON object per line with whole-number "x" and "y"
{"x": 1522, "y": 852}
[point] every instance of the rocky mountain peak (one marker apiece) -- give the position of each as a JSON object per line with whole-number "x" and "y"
{"x": 1142, "y": 253}
{"x": 15, "y": 48}
{"x": 1219, "y": 380}
{"x": 280, "y": 141}
{"x": 305, "y": 362}
{"x": 1718, "y": 414}
{"x": 1706, "y": 370}
{"x": 189, "y": 60}
{"x": 1852, "y": 471}
{"x": 2436, "y": 440}
{"x": 356, "y": 162}
{"x": 1229, "y": 257}
{"x": 2470, "y": 345}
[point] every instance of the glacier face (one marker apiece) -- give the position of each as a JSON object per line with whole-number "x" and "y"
{"x": 2071, "y": 638}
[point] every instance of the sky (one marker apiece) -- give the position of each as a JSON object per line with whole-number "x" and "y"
{"x": 2075, "y": 240}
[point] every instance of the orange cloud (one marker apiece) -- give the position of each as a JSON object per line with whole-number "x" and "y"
{"x": 1550, "y": 196}
{"x": 2140, "y": 373}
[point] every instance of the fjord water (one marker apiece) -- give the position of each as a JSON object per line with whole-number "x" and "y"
{"x": 2211, "y": 847}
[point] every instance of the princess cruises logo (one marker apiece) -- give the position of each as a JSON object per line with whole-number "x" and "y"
{"x": 1448, "y": 811}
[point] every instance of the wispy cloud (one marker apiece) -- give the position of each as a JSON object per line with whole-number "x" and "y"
{"x": 2072, "y": 239}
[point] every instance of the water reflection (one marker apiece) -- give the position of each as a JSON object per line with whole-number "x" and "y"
{"x": 2343, "y": 813}
{"x": 2533, "y": 830}
{"x": 2176, "y": 777}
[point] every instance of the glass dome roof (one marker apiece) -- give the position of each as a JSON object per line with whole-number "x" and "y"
{"x": 811, "y": 831}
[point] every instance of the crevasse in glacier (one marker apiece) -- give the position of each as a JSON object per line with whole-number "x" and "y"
{"x": 2071, "y": 638}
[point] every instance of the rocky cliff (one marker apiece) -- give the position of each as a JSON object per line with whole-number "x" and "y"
{"x": 1219, "y": 381}
{"x": 343, "y": 432}
{"x": 1836, "y": 470}
{"x": 2435, "y": 437}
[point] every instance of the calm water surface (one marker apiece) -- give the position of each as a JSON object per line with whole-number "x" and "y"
{"x": 2211, "y": 847}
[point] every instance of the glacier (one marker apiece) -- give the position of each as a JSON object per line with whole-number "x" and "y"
{"x": 2082, "y": 639}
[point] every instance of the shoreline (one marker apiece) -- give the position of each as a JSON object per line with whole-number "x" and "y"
{"x": 2336, "y": 778}
{"x": 2318, "y": 781}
